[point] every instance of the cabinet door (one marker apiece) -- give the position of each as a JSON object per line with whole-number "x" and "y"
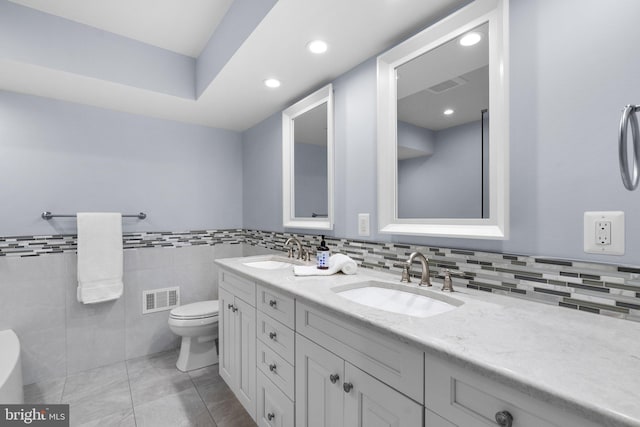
{"x": 245, "y": 359}
{"x": 319, "y": 395}
{"x": 373, "y": 403}
{"x": 226, "y": 334}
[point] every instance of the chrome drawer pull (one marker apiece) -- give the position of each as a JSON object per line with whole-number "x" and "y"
{"x": 334, "y": 378}
{"x": 272, "y": 367}
{"x": 504, "y": 419}
{"x": 347, "y": 387}
{"x": 273, "y": 303}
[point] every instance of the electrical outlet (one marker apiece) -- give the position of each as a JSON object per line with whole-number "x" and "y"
{"x": 363, "y": 224}
{"x": 604, "y": 232}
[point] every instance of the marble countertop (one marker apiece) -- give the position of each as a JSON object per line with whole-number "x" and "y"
{"x": 584, "y": 363}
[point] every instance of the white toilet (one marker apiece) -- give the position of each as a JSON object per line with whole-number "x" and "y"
{"x": 197, "y": 324}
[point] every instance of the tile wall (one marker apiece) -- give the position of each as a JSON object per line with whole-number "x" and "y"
{"x": 606, "y": 289}
{"x": 60, "y": 336}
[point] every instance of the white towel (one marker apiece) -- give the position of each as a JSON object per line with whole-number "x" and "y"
{"x": 99, "y": 257}
{"x": 337, "y": 262}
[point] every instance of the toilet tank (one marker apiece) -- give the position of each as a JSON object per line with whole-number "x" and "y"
{"x": 11, "y": 391}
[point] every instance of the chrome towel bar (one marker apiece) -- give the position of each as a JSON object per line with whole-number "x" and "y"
{"x": 49, "y": 215}
{"x": 629, "y": 178}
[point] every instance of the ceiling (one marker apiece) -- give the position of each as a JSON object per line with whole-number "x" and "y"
{"x": 180, "y": 26}
{"x": 236, "y": 97}
{"x": 450, "y": 76}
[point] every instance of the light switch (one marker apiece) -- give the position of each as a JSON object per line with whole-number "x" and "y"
{"x": 363, "y": 224}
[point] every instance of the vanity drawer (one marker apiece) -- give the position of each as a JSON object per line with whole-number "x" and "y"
{"x": 277, "y": 305}
{"x": 457, "y": 397}
{"x": 385, "y": 358}
{"x": 275, "y": 409}
{"x": 276, "y": 336}
{"x": 243, "y": 288}
{"x": 278, "y": 370}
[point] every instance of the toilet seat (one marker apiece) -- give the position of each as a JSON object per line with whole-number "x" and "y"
{"x": 196, "y": 311}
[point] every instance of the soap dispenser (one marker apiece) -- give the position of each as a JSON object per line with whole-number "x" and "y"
{"x": 322, "y": 256}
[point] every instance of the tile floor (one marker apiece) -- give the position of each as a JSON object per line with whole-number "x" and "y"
{"x": 147, "y": 391}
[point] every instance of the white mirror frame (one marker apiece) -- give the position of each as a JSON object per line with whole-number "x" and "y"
{"x": 495, "y": 12}
{"x": 289, "y": 219}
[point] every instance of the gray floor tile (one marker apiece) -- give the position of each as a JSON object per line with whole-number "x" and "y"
{"x": 156, "y": 377}
{"x": 163, "y": 396}
{"x": 114, "y": 402}
{"x": 44, "y": 392}
{"x": 98, "y": 393}
{"x": 206, "y": 376}
{"x": 94, "y": 381}
{"x": 178, "y": 410}
{"x": 122, "y": 418}
{"x": 225, "y": 409}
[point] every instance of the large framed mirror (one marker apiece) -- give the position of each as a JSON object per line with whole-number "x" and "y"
{"x": 307, "y": 162}
{"x": 443, "y": 128}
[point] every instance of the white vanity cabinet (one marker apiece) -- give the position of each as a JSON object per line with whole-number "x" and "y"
{"x": 237, "y": 337}
{"x": 336, "y": 362}
{"x": 456, "y": 397}
{"x": 275, "y": 358}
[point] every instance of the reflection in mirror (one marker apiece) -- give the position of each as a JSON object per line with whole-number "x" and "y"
{"x": 442, "y": 130}
{"x": 310, "y": 163}
{"x": 307, "y": 162}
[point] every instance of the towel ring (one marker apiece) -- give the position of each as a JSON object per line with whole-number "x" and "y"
{"x": 629, "y": 179}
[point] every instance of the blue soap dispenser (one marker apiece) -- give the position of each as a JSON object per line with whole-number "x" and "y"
{"x": 322, "y": 256}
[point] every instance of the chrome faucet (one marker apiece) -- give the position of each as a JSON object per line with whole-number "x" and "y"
{"x": 297, "y": 243}
{"x": 424, "y": 279}
{"x": 447, "y": 284}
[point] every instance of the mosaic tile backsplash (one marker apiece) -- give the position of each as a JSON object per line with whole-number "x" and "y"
{"x": 604, "y": 289}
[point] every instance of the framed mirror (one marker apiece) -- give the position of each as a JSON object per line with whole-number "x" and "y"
{"x": 307, "y": 162}
{"x": 443, "y": 128}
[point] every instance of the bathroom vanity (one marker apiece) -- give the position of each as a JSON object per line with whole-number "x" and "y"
{"x": 297, "y": 352}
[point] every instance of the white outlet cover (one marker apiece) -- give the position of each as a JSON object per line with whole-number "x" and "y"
{"x": 617, "y": 232}
{"x": 363, "y": 224}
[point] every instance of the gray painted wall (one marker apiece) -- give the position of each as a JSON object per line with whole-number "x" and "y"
{"x": 35, "y": 37}
{"x": 262, "y": 175}
{"x": 310, "y": 163}
{"x": 456, "y": 161}
{"x": 66, "y": 158}
{"x": 570, "y": 77}
{"x": 415, "y": 137}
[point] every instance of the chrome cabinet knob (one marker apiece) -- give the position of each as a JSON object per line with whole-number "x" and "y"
{"x": 347, "y": 387}
{"x": 272, "y": 367}
{"x": 504, "y": 419}
{"x": 334, "y": 378}
{"x": 273, "y": 303}
{"x": 272, "y": 335}
{"x": 271, "y": 416}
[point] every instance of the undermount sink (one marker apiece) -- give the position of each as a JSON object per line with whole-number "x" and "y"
{"x": 273, "y": 263}
{"x": 389, "y": 297}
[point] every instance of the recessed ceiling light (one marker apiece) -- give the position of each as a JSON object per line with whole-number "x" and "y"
{"x": 273, "y": 83}
{"x": 470, "y": 39}
{"x": 317, "y": 46}
{"x": 448, "y": 112}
